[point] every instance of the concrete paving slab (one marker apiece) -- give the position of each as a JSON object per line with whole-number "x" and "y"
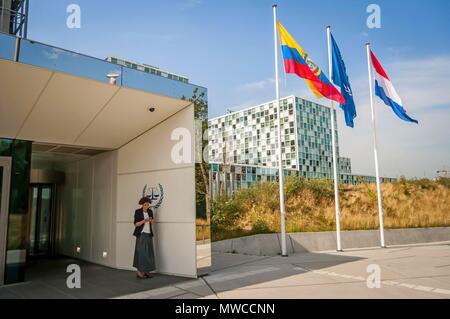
{"x": 197, "y": 287}
{"x": 46, "y": 279}
{"x": 328, "y": 291}
{"x": 227, "y": 260}
{"x": 187, "y": 296}
{"x": 160, "y": 293}
{"x": 406, "y": 272}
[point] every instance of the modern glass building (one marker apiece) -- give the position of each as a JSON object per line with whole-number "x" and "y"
{"x": 246, "y": 141}
{"x": 78, "y": 150}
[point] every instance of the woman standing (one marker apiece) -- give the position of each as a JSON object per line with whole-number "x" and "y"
{"x": 144, "y": 256}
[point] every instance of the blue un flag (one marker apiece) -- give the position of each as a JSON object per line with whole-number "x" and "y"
{"x": 340, "y": 78}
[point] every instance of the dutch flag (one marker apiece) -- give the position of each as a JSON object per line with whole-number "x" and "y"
{"x": 386, "y": 91}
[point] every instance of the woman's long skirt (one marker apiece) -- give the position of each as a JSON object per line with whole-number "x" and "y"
{"x": 144, "y": 255}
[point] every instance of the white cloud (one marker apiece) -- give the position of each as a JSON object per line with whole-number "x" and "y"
{"x": 404, "y": 148}
{"x": 189, "y": 4}
{"x": 422, "y": 83}
{"x": 257, "y": 85}
{"x": 53, "y": 53}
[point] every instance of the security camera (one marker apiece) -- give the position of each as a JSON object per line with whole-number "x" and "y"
{"x": 151, "y": 109}
{"x": 112, "y": 77}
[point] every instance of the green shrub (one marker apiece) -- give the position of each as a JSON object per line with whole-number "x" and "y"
{"x": 444, "y": 181}
{"x": 294, "y": 185}
{"x": 322, "y": 189}
{"x": 405, "y": 186}
{"x": 260, "y": 227}
{"x": 263, "y": 194}
{"x": 224, "y": 212}
{"x": 423, "y": 183}
{"x": 370, "y": 193}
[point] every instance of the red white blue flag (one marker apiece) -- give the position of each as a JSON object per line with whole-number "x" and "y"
{"x": 386, "y": 91}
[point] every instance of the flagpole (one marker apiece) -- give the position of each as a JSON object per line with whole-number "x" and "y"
{"x": 375, "y": 152}
{"x": 333, "y": 142}
{"x": 280, "y": 165}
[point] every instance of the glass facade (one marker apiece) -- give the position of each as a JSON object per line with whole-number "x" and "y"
{"x": 17, "y": 238}
{"x": 57, "y": 59}
{"x": 315, "y": 154}
{"x": 250, "y": 137}
{"x": 232, "y": 177}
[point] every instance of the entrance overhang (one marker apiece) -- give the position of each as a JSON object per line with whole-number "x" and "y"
{"x": 109, "y": 145}
{"x": 48, "y": 106}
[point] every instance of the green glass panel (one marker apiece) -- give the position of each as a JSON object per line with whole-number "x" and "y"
{"x": 20, "y": 177}
{"x": 44, "y": 219}
{"x": 5, "y": 147}
{"x": 1, "y": 184}
{"x": 34, "y": 200}
{"x": 18, "y": 209}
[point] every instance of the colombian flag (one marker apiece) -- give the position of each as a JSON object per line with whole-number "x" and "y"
{"x": 297, "y": 61}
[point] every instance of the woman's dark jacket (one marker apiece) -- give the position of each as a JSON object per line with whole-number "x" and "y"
{"x": 139, "y": 216}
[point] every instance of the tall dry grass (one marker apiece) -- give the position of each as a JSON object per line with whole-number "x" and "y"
{"x": 310, "y": 207}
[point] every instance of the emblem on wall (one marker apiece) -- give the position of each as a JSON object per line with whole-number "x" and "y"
{"x": 155, "y": 194}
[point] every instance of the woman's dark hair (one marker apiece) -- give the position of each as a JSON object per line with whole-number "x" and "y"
{"x": 144, "y": 200}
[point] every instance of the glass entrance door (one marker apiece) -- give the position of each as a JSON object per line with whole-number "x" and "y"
{"x": 5, "y": 175}
{"x": 41, "y": 215}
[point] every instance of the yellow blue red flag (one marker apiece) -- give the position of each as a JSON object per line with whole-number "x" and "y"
{"x": 298, "y": 62}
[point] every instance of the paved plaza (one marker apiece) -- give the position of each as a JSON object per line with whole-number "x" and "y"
{"x": 416, "y": 271}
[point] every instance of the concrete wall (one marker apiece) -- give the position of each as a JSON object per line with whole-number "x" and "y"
{"x": 147, "y": 161}
{"x": 270, "y": 244}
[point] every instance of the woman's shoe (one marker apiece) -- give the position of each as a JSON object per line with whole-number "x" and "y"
{"x": 148, "y": 276}
{"x": 141, "y": 277}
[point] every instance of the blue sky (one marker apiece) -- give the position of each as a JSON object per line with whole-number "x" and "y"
{"x": 227, "y": 46}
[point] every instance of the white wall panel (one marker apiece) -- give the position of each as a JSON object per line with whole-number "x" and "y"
{"x": 89, "y": 209}
{"x": 152, "y": 151}
{"x": 174, "y": 245}
{"x": 83, "y": 208}
{"x": 68, "y": 213}
{"x": 125, "y": 242}
{"x": 175, "y": 248}
{"x": 102, "y": 208}
{"x": 179, "y": 194}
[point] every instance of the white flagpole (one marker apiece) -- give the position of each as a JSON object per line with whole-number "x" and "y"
{"x": 280, "y": 164}
{"x": 333, "y": 142}
{"x": 375, "y": 152}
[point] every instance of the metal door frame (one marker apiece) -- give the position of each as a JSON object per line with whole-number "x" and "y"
{"x": 37, "y": 230}
{"x": 5, "y": 162}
